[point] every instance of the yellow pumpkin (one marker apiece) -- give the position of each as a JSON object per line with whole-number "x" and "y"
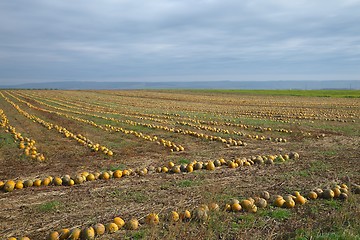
{"x": 37, "y": 183}
{"x": 64, "y": 234}
{"x": 46, "y": 182}
{"x": 174, "y": 216}
{"x": 189, "y": 168}
{"x": 119, "y": 222}
{"x": 75, "y": 234}
{"x": 57, "y": 181}
{"x": 9, "y": 186}
{"x": 185, "y": 216}
{"x": 111, "y": 227}
{"x": 117, "y": 174}
{"x": 133, "y": 224}
{"x": 24, "y": 238}
{"x": 152, "y": 219}
{"x": 104, "y": 176}
{"x": 246, "y": 204}
{"x": 300, "y": 200}
{"x": 87, "y": 233}
{"x": 99, "y": 229}
{"x": 1, "y": 184}
{"x": 210, "y": 166}
{"x": 19, "y": 184}
{"x": 312, "y": 195}
{"x": 90, "y": 177}
{"x": 236, "y": 207}
{"x": 53, "y": 236}
{"x": 279, "y": 201}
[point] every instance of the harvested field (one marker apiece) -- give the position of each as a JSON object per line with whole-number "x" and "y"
{"x": 177, "y": 150}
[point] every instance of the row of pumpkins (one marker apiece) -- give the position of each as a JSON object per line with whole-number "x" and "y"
{"x": 67, "y": 180}
{"x": 202, "y": 212}
{"x": 62, "y": 130}
{"x": 169, "y": 144}
{"x": 25, "y": 143}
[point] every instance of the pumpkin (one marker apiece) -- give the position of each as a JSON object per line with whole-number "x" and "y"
{"x": 46, "y": 181}
{"x": 53, "y": 236}
{"x": 117, "y": 174}
{"x": 289, "y": 201}
{"x": 200, "y": 214}
{"x": 57, "y": 181}
{"x": 261, "y": 202}
{"x": 279, "y": 201}
{"x": 227, "y": 207}
{"x": 231, "y": 164}
{"x": 337, "y": 192}
{"x": 210, "y": 166}
{"x": 170, "y": 164}
{"x": 87, "y": 233}
{"x": 328, "y": 194}
{"x": 175, "y": 169}
{"x": 214, "y": 207}
{"x": 111, "y": 227}
{"x": 312, "y": 195}
{"x": 99, "y": 229}
{"x": 343, "y": 196}
{"x": 294, "y": 155}
{"x": 90, "y": 177}
{"x": 152, "y": 219}
{"x": 344, "y": 190}
{"x": 164, "y": 169}
{"x": 71, "y": 182}
{"x": 265, "y": 195}
{"x": 133, "y": 224}
{"x": 236, "y": 207}
{"x": 9, "y": 186}
{"x": 119, "y": 222}
{"x": 104, "y": 176}
{"x": 189, "y": 168}
{"x": 24, "y": 238}
{"x": 64, "y": 234}
{"x": 65, "y": 180}
{"x": 300, "y": 200}
{"x": 19, "y": 184}
{"x": 28, "y": 183}
{"x": 217, "y": 163}
{"x": 198, "y": 166}
{"x": 1, "y": 184}
{"x": 174, "y": 216}
{"x": 78, "y": 179}
{"x": 185, "y": 216}
{"x": 37, "y": 183}
{"x": 246, "y": 204}
{"x": 12, "y": 238}
{"x": 75, "y": 234}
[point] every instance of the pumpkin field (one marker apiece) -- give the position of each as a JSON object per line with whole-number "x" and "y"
{"x": 179, "y": 164}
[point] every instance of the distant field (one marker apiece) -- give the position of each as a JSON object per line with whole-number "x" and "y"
{"x": 184, "y": 164}
{"x": 300, "y": 93}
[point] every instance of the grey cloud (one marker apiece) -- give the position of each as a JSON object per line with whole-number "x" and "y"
{"x": 81, "y": 40}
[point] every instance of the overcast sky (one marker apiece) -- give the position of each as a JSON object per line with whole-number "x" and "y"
{"x": 172, "y": 40}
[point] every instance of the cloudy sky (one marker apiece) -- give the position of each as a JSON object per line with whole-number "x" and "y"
{"x": 173, "y": 40}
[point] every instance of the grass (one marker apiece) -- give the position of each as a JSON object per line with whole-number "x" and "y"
{"x": 297, "y": 93}
{"x": 187, "y": 183}
{"x": 183, "y": 161}
{"x": 121, "y": 166}
{"x": 49, "y": 206}
{"x": 277, "y": 214}
{"x": 6, "y": 140}
{"x": 135, "y": 196}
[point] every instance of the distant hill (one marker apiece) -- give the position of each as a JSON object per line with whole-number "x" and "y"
{"x": 303, "y": 85}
